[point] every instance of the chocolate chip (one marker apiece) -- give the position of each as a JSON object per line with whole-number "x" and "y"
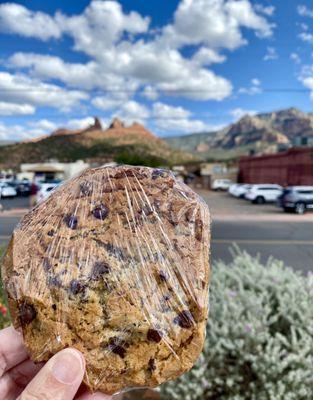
{"x": 77, "y": 287}
{"x": 124, "y": 173}
{"x": 157, "y": 173}
{"x": 99, "y": 269}
{"x": 189, "y": 215}
{"x": 46, "y": 265}
{"x": 163, "y": 275}
{"x": 184, "y": 319}
{"x": 151, "y": 365}
{"x": 71, "y": 221}
{"x": 50, "y": 233}
{"x": 85, "y": 188}
{"x": 154, "y": 335}
{"x": 167, "y": 297}
{"x": 119, "y": 350}
{"x": 54, "y": 307}
{"x": 27, "y": 313}
{"x": 146, "y": 210}
{"x": 100, "y": 212}
{"x": 54, "y": 281}
{"x": 115, "y": 345}
{"x": 113, "y": 251}
{"x": 157, "y": 205}
{"x": 199, "y": 229}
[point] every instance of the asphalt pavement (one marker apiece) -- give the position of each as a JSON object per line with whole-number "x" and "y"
{"x": 288, "y": 239}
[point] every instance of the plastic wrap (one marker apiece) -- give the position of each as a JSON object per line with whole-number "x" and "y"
{"x": 116, "y": 264}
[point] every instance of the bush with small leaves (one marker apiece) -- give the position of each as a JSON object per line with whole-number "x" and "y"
{"x": 259, "y": 342}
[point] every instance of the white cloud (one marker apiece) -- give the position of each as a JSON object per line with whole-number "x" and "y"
{"x": 256, "y": 82}
{"x": 206, "y": 56}
{"x": 106, "y": 103}
{"x": 254, "y": 88}
{"x": 150, "y": 93}
{"x": 43, "y": 124}
{"x": 303, "y": 26}
{"x": 80, "y": 123}
{"x": 266, "y": 10}
{"x": 306, "y": 78}
{"x": 133, "y": 111}
{"x": 22, "y": 132}
{"x": 121, "y": 61}
{"x": 169, "y": 118}
{"x": 215, "y": 23}
{"x": 21, "y": 89}
{"x": 100, "y": 25}
{"x": 84, "y": 76}
{"x": 202, "y": 85}
{"x": 238, "y": 113}
{"x": 15, "y": 18}
{"x": 305, "y": 11}
{"x": 271, "y": 54}
{"x": 9, "y": 109}
{"x": 295, "y": 57}
{"x": 306, "y": 37}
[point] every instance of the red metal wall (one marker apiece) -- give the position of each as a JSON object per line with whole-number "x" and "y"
{"x": 293, "y": 167}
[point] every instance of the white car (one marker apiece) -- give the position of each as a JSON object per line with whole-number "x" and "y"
{"x": 45, "y": 190}
{"x": 266, "y": 193}
{"x": 6, "y": 190}
{"x": 240, "y": 190}
{"x": 232, "y": 188}
{"x": 221, "y": 184}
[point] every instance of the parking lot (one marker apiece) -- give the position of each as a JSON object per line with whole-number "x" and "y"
{"x": 15, "y": 203}
{"x": 224, "y": 206}
{"x": 260, "y": 229}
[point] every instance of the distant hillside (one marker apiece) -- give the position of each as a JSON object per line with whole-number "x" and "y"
{"x": 262, "y": 133}
{"x": 189, "y": 142}
{"x": 6, "y": 142}
{"x": 133, "y": 145}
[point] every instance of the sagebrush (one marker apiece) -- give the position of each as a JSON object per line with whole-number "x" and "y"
{"x": 4, "y": 314}
{"x": 259, "y": 336}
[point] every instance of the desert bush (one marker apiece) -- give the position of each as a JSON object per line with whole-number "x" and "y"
{"x": 4, "y": 314}
{"x": 259, "y": 342}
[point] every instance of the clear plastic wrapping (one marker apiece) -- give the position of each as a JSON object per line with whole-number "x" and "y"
{"x": 116, "y": 264}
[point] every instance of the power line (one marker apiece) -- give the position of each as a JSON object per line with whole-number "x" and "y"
{"x": 67, "y": 90}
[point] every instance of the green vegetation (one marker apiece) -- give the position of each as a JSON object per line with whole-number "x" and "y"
{"x": 259, "y": 342}
{"x": 4, "y": 314}
{"x": 70, "y": 149}
{"x": 139, "y": 159}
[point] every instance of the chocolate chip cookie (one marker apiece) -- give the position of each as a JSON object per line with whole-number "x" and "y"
{"x": 116, "y": 264}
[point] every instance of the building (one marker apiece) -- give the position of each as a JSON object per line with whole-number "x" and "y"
{"x": 51, "y": 170}
{"x": 211, "y": 171}
{"x": 292, "y": 167}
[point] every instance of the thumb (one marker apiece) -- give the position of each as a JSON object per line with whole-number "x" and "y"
{"x": 59, "y": 379}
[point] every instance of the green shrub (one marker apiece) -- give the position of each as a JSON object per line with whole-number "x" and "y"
{"x": 4, "y": 313}
{"x": 133, "y": 158}
{"x": 259, "y": 337}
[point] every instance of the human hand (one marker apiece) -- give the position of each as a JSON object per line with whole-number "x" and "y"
{"x": 59, "y": 379}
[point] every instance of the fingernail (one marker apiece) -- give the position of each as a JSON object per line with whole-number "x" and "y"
{"x": 99, "y": 396}
{"x": 67, "y": 366}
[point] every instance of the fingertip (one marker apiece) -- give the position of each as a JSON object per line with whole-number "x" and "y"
{"x": 95, "y": 396}
{"x": 68, "y": 366}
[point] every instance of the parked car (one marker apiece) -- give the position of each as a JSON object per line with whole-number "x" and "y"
{"x": 6, "y": 190}
{"x": 239, "y": 190}
{"x": 221, "y": 184}
{"x": 45, "y": 190}
{"x": 22, "y": 187}
{"x": 266, "y": 193}
{"x": 298, "y": 199}
{"x": 232, "y": 188}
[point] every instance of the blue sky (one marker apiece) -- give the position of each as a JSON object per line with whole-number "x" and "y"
{"x": 176, "y": 66}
